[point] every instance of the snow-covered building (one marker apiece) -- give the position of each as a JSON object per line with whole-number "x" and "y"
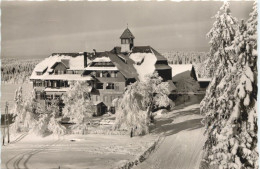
{"x": 181, "y": 71}
{"x": 107, "y": 72}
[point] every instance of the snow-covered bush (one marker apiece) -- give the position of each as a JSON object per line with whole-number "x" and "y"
{"x": 230, "y": 102}
{"x": 135, "y": 107}
{"x": 49, "y": 120}
{"x": 78, "y": 106}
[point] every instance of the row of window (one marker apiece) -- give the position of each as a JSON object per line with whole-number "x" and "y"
{"x": 60, "y": 72}
{"x": 102, "y": 64}
{"x": 107, "y": 86}
{"x": 108, "y": 98}
{"x": 42, "y": 96}
{"x": 104, "y": 74}
{"x": 49, "y": 83}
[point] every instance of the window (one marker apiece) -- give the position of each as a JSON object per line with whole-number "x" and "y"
{"x": 39, "y": 73}
{"x": 38, "y": 83}
{"x": 57, "y": 97}
{"x": 100, "y": 85}
{"x": 42, "y": 96}
{"x": 54, "y": 84}
{"x": 116, "y": 87}
{"x": 66, "y": 84}
{"x": 110, "y": 86}
{"x": 97, "y": 74}
{"x": 112, "y": 74}
{"x": 106, "y": 74}
{"x": 105, "y": 99}
{"x": 38, "y": 95}
{"x": 49, "y": 97}
{"x": 49, "y": 85}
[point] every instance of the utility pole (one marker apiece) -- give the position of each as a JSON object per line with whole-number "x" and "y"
{"x": 8, "y": 134}
{"x": 4, "y": 127}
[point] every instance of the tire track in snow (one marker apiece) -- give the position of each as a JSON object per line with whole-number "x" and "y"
{"x": 18, "y": 158}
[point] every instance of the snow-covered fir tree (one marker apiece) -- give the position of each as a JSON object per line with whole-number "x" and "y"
{"x": 230, "y": 102}
{"x": 24, "y": 117}
{"x": 135, "y": 108}
{"x": 78, "y": 106}
{"x": 221, "y": 35}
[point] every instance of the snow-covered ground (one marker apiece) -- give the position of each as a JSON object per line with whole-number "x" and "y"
{"x": 182, "y": 145}
{"x": 73, "y": 151}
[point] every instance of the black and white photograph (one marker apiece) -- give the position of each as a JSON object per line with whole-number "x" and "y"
{"x": 129, "y": 84}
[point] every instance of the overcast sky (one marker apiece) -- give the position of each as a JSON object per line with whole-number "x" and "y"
{"x": 37, "y": 29}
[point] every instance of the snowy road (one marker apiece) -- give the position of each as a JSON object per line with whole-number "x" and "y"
{"x": 72, "y": 152}
{"x": 182, "y": 145}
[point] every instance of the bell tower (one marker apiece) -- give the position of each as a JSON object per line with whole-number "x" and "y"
{"x": 127, "y": 41}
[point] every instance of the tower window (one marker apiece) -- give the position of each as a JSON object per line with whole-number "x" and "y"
{"x": 125, "y": 41}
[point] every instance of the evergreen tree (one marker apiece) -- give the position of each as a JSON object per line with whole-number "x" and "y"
{"x": 24, "y": 117}
{"x": 230, "y": 102}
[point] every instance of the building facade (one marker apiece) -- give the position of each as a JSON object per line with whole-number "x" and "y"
{"x": 108, "y": 73}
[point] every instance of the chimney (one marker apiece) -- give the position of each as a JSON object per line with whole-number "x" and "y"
{"x": 94, "y": 50}
{"x": 85, "y": 59}
{"x": 115, "y": 51}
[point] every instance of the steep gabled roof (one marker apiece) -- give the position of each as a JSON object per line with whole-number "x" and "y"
{"x": 58, "y": 62}
{"x": 127, "y": 34}
{"x": 148, "y": 49}
{"x": 126, "y": 68}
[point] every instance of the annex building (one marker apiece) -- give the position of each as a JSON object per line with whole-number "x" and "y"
{"x": 108, "y": 72}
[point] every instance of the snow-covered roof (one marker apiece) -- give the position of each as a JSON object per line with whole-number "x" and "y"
{"x": 75, "y": 62}
{"x": 102, "y": 59}
{"x": 101, "y": 68}
{"x": 63, "y": 89}
{"x": 203, "y": 79}
{"x": 180, "y": 68}
{"x": 147, "y": 66}
{"x": 97, "y": 102}
{"x": 46, "y": 63}
{"x": 68, "y": 77}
